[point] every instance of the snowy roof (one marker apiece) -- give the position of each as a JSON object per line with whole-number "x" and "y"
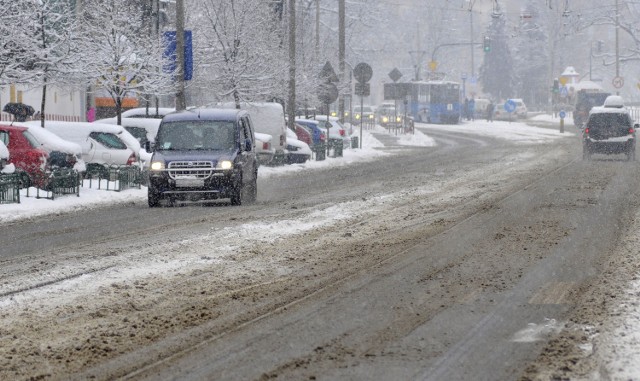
{"x": 586, "y": 85}
{"x": 570, "y": 71}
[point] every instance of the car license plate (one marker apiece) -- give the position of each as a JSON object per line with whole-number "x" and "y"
{"x": 190, "y": 183}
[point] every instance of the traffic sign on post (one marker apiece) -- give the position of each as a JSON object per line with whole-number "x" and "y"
{"x": 327, "y": 73}
{"x": 618, "y": 82}
{"x": 395, "y": 75}
{"x": 362, "y": 72}
{"x": 510, "y": 106}
{"x": 327, "y": 93}
{"x": 362, "y": 89}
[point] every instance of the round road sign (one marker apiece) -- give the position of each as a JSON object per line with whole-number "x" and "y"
{"x": 618, "y": 82}
{"x": 362, "y": 72}
{"x": 510, "y": 106}
{"x": 562, "y": 114}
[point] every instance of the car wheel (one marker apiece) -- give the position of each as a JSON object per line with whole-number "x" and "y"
{"x": 236, "y": 196}
{"x": 153, "y": 198}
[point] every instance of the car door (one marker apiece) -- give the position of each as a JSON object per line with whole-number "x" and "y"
{"x": 109, "y": 149}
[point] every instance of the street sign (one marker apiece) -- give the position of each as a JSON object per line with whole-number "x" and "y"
{"x": 564, "y": 91}
{"x": 327, "y": 93}
{"x": 562, "y": 114}
{"x": 362, "y": 89}
{"x": 395, "y": 75}
{"x": 510, "y": 106}
{"x": 327, "y": 73}
{"x": 618, "y": 82}
{"x": 170, "y": 42}
{"x": 362, "y": 72}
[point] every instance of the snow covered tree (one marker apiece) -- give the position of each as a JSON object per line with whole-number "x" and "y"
{"x": 497, "y": 72}
{"x": 48, "y": 36}
{"x": 120, "y": 57}
{"x": 531, "y": 55}
{"x": 14, "y": 47}
{"x": 243, "y": 46}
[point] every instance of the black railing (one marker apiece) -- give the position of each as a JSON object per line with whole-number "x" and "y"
{"x": 62, "y": 181}
{"x": 10, "y": 188}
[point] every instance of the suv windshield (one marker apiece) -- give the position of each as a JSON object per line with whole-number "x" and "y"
{"x": 196, "y": 135}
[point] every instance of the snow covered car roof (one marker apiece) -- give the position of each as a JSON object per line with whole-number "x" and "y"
{"x": 614, "y": 101}
{"x": 50, "y": 141}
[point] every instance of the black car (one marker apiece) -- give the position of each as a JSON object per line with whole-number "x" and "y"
{"x": 204, "y": 154}
{"x": 609, "y": 130}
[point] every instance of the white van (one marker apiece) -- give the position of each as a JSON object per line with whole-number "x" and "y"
{"x": 102, "y": 144}
{"x": 268, "y": 118}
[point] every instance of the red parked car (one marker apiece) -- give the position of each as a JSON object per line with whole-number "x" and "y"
{"x": 25, "y": 152}
{"x": 303, "y": 133}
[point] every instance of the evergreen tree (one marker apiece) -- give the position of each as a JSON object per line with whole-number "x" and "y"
{"x": 497, "y": 71}
{"x": 531, "y": 56}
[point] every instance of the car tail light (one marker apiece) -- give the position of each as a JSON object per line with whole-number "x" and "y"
{"x": 132, "y": 159}
{"x": 266, "y": 146}
{"x": 341, "y": 132}
{"x": 323, "y": 137}
{"x": 586, "y": 130}
{"x": 631, "y": 130}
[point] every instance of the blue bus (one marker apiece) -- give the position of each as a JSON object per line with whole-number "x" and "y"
{"x": 427, "y": 101}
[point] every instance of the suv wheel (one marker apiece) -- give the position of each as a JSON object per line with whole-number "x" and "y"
{"x": 236, "y": 197}
{"x": 153, "y": 198}
{"x": 631, "y": 154}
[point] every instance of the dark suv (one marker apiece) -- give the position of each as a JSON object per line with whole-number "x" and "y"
{"x": 204, "y": 154}
{"x": 609, "y": 130}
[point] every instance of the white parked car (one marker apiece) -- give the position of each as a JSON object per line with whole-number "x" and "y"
{"x": 264, "y": 150}
{"x": 4, "y": 159}
{"x": 521, "y": 108}
{"x": 62, "y": 153}
{"x": 267, "y": 118}
{"x": 102, "y": 144}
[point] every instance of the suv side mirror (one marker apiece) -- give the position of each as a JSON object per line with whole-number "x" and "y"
{"x": 148, "y": 146}
{"x": 248, "y": 146}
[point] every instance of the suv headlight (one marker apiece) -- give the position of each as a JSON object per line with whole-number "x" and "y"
{"x": 224, "y": 164}
{"x": 157, "y": 165}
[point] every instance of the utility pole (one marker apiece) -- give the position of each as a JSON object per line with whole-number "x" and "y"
{"x": 419, "y": 54}
{"x": 617, "y": 43}
{"x": 471, "y": 3}
{"x": 317, "y": 45}
{"x": 341, "y": 52}
{"x": 291, "y": 110}
{"x": 181, "y": 101}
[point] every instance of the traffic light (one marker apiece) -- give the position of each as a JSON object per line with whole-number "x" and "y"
{"x": 486, "y": 46}
{"x": 556, "y": 86}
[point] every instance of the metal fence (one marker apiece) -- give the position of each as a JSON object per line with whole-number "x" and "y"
{"x": 116, "y": 178}
{"x": 60, "y": 182}
{"x": 10, "y": 188}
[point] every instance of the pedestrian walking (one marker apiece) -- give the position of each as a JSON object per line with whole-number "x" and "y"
{"x": 465, "y": 109}
{"x": 490, "y": 109}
